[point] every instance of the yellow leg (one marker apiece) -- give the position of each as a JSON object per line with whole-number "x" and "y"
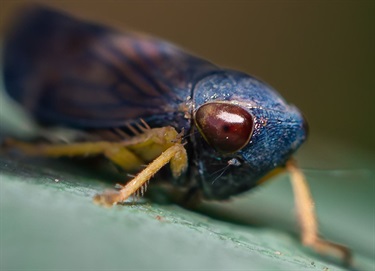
{"x": 175, "y": 154}
{"x": 59, "y": 150}
{"x": 308, "y": 221}
{"x": 112, "y": 150}
{"x": 130, "y": 153}
{"x": 162, "y": 145}
{"x": 124, "y": 158}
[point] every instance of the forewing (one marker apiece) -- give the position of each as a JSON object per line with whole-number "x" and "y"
{"x": 75, "y": 73}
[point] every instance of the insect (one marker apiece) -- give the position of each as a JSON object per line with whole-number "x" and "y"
{"x": 144, "y": 103}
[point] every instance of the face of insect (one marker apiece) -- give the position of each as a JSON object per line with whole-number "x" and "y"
{"x": 245, "y": 130}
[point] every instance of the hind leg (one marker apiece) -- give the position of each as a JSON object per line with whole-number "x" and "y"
{"x": 112, "y": 150}
{"x": 159, "y": 145}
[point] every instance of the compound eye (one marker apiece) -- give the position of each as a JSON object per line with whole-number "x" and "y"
{"x": 226, "y": 127}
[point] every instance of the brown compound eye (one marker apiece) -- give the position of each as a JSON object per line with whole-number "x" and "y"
{"x": 226, "y": 127}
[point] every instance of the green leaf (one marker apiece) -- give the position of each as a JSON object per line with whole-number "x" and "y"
{"x": 48, "y": 220}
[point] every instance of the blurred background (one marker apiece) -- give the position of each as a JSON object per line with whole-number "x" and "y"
{"x": 318, "y": 54}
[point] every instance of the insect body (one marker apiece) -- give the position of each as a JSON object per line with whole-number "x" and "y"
{"x": 77, "y": 74}
{"x": 237, "y": 129}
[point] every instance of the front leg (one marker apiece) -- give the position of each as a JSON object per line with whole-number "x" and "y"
{"x": 308, "y": 221}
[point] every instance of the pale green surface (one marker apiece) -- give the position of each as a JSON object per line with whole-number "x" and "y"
{"x": 54, "y": 225}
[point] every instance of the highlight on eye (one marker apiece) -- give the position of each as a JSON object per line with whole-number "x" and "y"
{"x": 226, "y": 127}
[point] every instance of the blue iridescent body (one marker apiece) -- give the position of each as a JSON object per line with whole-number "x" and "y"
{"x": 77, "y": 74}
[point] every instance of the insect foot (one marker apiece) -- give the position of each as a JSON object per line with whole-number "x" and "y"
{"x": 108, "y": 198}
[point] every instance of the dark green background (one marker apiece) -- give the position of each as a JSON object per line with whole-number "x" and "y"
{"x": 318, "y": 54}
